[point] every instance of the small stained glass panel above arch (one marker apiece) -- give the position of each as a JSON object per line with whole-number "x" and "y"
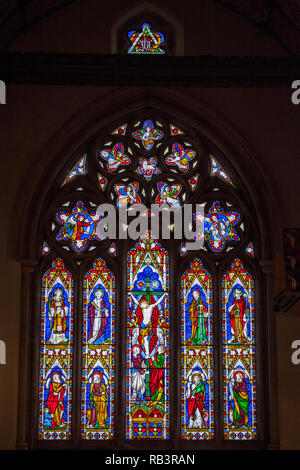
{"x": 146, "y": 41}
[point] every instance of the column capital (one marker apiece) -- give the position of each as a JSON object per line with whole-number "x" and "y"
{"x": 267, "y": 266}
{"x": 28, "y": 265}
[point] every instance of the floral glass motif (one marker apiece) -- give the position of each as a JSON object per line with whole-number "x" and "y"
{"x": 216, "y": 169}
{"x": 180, "y": 157}
{"x": 219, "y": 227}
{"x": 197, "y": 353}
{"x": 239, "y": 353}
{"x": 115, "y": 157}
{"x": 168, "y": 194}
{"x": 148, "y": 167}
{"x": 147, "y": 341}
{"x": 78, "y": 226}
{"x": 77, "y": 170}
{"x": 148, "y": 135}
{"x": 145, "y": 41}
{"x": 127, "y": 194}
{"x": 56, "y": 351}
{"x": 97, "y": 417}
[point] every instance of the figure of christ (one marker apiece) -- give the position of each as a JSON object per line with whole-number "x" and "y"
{"x": 198, "y": 316}
{"x": 195, "y": 402}
{"x": 147, "y": 325}
{"x": 237, "y": 318}
{"x": 55, "y": 400}
{"x": 57, "y": 312}
{"x": 138, "y": 373}
{"x": 97, "y": 414}
{"x": 238, "y": 393}
{"x": 98, "y": 314}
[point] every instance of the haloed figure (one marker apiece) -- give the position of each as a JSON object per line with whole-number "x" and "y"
{"x": 97, "y": 414}
{"x": 195, "y": 402}
{"x": 237, "y": 317}
{"x": 98, "y": 315}
{"x": 138, "y": 373}
{"x": 239, "y": 395}
{"x": 198, "y": 316}
{"x": 58, "y": 311}
{"x": 55, "y": 400}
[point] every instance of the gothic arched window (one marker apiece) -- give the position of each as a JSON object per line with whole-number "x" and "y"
{"x": 148, "y": 339}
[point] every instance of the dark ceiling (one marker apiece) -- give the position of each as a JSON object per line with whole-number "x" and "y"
{"x": 281, "y": 18}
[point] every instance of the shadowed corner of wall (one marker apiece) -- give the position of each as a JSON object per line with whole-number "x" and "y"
{"x": 2, "y": 353}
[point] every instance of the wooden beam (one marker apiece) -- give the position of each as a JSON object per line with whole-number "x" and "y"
{"x": 125, "y": 70}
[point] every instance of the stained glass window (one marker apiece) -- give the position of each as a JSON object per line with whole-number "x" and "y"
{"x": 146, "y": 41}
{"x": 98, "y": 353}
{"x": 197, "y": 409}
{"x": 56, "y": 353}
{"x": 147, "y": 392}
{"x": 156, "y": 290}
{"x": 239, "y": 353}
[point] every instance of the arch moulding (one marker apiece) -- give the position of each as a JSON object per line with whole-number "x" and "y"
{"x": 100, "y": 115}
